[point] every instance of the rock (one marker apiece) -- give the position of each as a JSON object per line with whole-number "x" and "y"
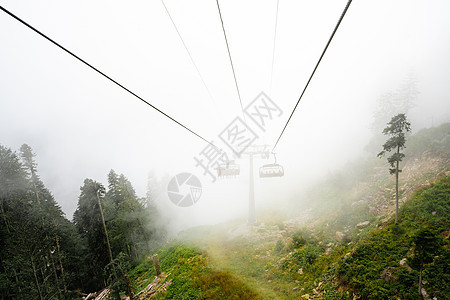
{"x": 433, "y": 213}
{"x": 362, "y": 225}
{"x": 445, "y": 234}
{"x": 342, "y": 237}
{"x": 389, "y": 275}
{"x": 296, "y": 288}
{"x": 425, "y": 294}
{"x": 347, "y": 255}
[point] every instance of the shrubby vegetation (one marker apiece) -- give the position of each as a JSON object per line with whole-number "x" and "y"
{"x": 192, "y": 276}
{"x": 375, "y": 268}
{"x": 330, "y": 257}
{"x": 382, "y": 262}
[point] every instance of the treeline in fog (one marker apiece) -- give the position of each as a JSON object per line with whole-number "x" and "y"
{"x": 44, "y": 255}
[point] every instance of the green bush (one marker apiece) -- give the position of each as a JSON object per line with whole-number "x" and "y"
{"x": 279, "y": 246}
{"x": 299, "y": 239}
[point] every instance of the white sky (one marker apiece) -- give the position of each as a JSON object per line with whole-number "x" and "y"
{"x": 81, "y": 125}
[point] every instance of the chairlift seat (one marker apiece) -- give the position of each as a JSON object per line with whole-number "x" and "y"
{"x": 271, "y": 170}
{"x": 230, "y": 169}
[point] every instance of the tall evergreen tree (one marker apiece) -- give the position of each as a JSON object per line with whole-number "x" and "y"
{"x": 37, "y": 245}
{"x": 90, "y": 224}
{"x": 128, "y": 229}
{"x": 13, "y": 208}
{"x": 396, "y": 129}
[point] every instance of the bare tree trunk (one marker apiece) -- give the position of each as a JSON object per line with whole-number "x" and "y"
{"x": 60, "y": 263}
{"x": 396, "y": 189}
{"x": 129, "y": 286}
{"x": 156, "y": 263}
{"x": 104, "y": 229}
{"x": 44, "y": 287}
{"x": 55, "y": 273}
{"x": 35, "y": 278}
{"x": 36, "y": 193}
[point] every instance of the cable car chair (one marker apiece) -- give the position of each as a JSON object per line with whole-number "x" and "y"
{"x": 271, "y": 170}
{"x": 229, "y": 169}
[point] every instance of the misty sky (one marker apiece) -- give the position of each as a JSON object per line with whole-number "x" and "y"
{"x": 81, "y": 125}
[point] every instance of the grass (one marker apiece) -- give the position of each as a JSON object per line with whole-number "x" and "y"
{"x": 383, "y": 249}
{"x": 311, "y": 261}
{"x": 192, "y": 275}
{"x": 277, "y": 261}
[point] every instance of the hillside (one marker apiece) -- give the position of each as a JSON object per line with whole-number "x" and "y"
{"x": 342, "y": 244}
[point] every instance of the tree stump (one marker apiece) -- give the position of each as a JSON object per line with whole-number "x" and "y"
{"x": 156, "y": 263}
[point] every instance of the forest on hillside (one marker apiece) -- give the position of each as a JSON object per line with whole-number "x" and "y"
{"x": 46, "y": 256}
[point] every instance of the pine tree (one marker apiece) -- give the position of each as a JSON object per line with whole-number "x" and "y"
{"x": 14, "y": 208}
{"x": 396, "y": 129}
{"x": 128, "y": 231}
{"x": 38, "y": 245}
{"x": 90, "y": 222}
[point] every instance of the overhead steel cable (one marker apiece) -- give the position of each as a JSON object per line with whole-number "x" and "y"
{"x": 231, "y": 61}
{"x": 103, "y": 74}
{"x": 188, "y": 52}
{"x": 274, "y": 43}
{"x": 317, "y": 65}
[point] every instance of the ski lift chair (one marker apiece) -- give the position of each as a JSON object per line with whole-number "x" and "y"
{"x": 271, "y": 170}
{"x": 229, "y": 169}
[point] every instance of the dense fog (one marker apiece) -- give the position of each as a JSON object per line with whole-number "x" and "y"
{"x": 81, "y": 125}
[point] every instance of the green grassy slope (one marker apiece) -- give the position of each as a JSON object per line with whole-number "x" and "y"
{"x": 327, "y": 253}
{"x": 378, "y": 266}
{"x": 191, "y": 276}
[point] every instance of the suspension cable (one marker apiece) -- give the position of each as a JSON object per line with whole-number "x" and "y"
{"x": 231, "y": 61}
{"x": 188, "y": 52}
{"x": 103, "y": 74}
{"x": 317, "y": 65}
{"x": 274, "y": 40}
